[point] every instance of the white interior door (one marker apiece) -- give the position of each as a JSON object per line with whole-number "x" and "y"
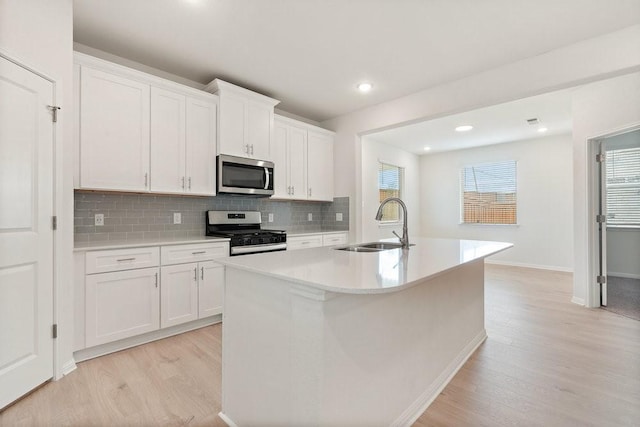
{"x": 602, "y": 226}
{"x": 26, "y": 236}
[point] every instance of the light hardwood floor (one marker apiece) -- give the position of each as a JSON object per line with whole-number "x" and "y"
{"x": 547, "y": 362}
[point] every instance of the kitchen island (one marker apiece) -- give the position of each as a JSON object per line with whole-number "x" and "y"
{"x": 329, "y": 337}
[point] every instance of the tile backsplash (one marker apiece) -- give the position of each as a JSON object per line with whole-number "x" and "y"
{"x": 146, "y": 216}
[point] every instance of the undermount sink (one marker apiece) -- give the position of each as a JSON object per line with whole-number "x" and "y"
{"x": 370, "y": 247}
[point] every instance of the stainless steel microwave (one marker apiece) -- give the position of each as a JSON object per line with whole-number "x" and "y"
{"x": 239, "y": 175}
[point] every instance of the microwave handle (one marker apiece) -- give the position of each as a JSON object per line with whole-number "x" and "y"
{"x": 266, "y": 174}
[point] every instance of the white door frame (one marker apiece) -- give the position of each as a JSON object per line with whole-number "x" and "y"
{"x": 593, "y": 188}
{"x": 57, "y": 189}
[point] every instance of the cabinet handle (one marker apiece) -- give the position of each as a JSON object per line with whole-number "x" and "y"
{"x": 246, "y": 148}
{"x": 198, "y": 252}
{"x": 201, "y": 273}
{"x": 146, "y": 179}
{"x": 183, "y": 182}
{"x": 195, "y": 274}
{"x": 309, "y": 191}
{"x": 156, "y": 280}
{"x": 304, "y": 243}
{"x": 293, "y": 190}
{"x": 252, "y": 149}
{"x": 126, "y": 259}
{"x": 189, "y": 183}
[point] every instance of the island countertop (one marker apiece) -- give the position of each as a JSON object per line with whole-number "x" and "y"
{"x": 367, "y": 272}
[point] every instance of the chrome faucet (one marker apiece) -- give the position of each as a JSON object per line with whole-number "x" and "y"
{"x": 405, "y": 234}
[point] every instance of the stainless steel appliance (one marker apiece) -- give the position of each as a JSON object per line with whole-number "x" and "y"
{"x": 238, "y": 175}
{"x": 244, "y": 230}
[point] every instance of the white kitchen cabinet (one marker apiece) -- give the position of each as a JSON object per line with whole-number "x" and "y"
{"x": 332, "y": 239}
{"x": 114, "y": 131}
{"x": 245, "y": 125}
{"x": 304, "y": 241}
{"x": 121, "y": 304}
{"x": 319, "y": 166}
{"x": 210, "y": 288}
{"x": 290, "y": 158}
{"x": 303, "y": 157}
{"x": 183, "y": 143}
{"x": 179, "y": 294}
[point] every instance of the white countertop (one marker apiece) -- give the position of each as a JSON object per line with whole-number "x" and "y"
{"x": 121, "y": 244}
{"x": 367, "y": 272}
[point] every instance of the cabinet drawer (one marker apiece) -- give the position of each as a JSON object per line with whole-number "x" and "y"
{"x": 304, "y": 242}
{"x": 181, "y": 254}
{"x": 121, "y": 259}
{"x": 335, "y": 239}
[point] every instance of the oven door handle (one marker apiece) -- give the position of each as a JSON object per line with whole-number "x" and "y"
{"x": 266, "y": 175}
{"x": 250, "y": 249}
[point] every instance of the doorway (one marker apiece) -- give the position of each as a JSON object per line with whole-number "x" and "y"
{"x": 619, "y": 223}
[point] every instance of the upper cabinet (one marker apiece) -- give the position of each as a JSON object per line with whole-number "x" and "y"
{"x": 303, "y": 157}
{"x": 245, "y": 125}
{"x": 138, "y": 132}
{"x": 114, "y": 132}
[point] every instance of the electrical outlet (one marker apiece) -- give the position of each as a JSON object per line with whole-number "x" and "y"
{"x": 270, "y": 217}
{"x": 309, "y": 216}
{"x": 99, "y": 219}
{"x": 338, "y": 216}
{"x": 177, "y": 218}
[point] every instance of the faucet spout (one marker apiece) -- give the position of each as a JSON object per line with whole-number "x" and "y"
{"x": 405, "y": 234}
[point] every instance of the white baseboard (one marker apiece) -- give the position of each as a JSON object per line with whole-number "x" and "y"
{"x": 576, "y": 300}
{"x": 228, "y": 421}
{"x": 417, "y": 408}
{"x": 525, "y": 265}
{"x": 624, "y": 275}
{"x": 112, "y": 347}
{"x": 69, "y": 367}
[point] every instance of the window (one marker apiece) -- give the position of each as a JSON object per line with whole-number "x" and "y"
{"x": 489, "y": 193}
{"x": 390, "y": 185}
{"x": 623, "y": 187}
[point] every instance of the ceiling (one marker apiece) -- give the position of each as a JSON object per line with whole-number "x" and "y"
{"x": 310, "y": 54}
{"x": 491, "y": 125}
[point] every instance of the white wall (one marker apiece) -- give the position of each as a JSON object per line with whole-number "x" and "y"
{"x": 543, "y": 236}
{"x": 609, "y": 55}
{"x": 599, "y": 109}
{"x": 372, "y": 153}
{"x": 623, "y": 252}
{"x": 39, "y": 33}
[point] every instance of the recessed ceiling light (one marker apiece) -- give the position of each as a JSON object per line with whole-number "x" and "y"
{"x": 427, "y": 148}
{"x": 542, "y": 130}
{"x": 365, "y": 87}
{"x": 464, "y": 128}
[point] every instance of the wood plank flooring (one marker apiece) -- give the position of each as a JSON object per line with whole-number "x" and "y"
{"x": 547, "y": 362}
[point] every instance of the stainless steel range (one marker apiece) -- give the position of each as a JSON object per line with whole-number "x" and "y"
{"x": 244, "y": 230}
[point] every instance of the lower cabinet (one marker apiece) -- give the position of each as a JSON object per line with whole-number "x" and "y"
{"x": 117, "y": 299}
{"x": 121, "y": 304}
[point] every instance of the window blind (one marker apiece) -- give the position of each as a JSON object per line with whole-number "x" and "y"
{"x": 623, "y": 186}
{"x": 389, "y": 183}
{"x": 489, "y": 193}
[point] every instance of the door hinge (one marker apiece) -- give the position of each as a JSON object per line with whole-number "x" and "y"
{"x": 54, "y": 222}
{"x": 600, "y": 157}
{"x": 601, "y": 218}
{"x": 54, "y": 112}
{"x": 601, "y": 279}
{"x": 54, "y": 330}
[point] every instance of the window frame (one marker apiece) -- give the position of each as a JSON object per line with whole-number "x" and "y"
{"x": 607, "y": 185}
{"x": 516, "y": 222}
{"x": 401, "y": 172}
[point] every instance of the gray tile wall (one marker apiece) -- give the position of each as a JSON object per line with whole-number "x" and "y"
{"x": 145, "y": 216}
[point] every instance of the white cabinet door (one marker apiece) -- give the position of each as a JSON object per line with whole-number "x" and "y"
{"x": 233, "y": 118}
{"x": 304, "y": 242}
{"x": 210, "y": 290}
{"x": 114, "y": 132}
{"x": 121, "y": 304}
{"x": 280, "y": 159}
{"x": 168, "y": 118}
{"x": 297, "y": 155}
{"x": 320, "y": 166}
{"x": 259, "y": 130}
{"x": 201, "y": 147}
{"x": 179, "y": 294}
